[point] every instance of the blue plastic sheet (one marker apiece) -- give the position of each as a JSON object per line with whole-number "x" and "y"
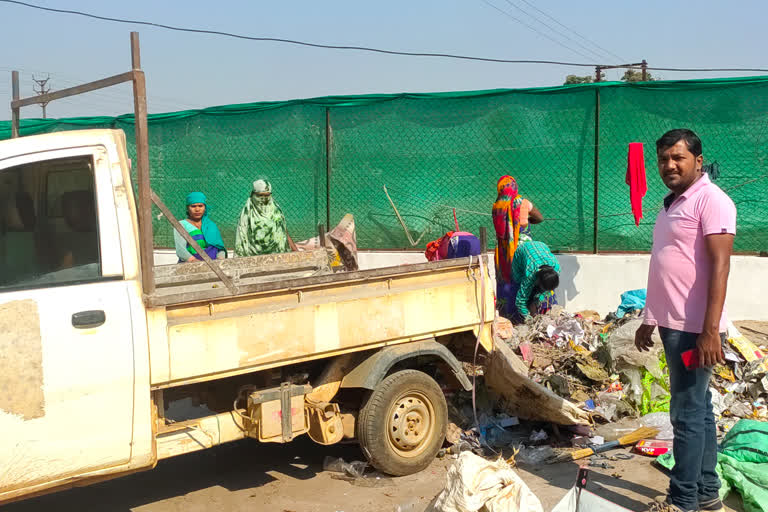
{"x": 631, "y": 301}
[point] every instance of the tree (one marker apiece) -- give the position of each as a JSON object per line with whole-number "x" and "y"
{"x": 576, "y": 79}
{"x": 633, "y": 75}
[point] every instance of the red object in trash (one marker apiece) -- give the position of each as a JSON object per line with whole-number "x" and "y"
{"x": 653, "y": 447}
{"x": 526, "y": 351}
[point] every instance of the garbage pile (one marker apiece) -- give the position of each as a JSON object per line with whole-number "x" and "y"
{"x": 740, "y": 387}
{"x": 593, "y": 363}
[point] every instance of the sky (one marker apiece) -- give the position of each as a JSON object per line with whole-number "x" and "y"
{"x": 186, "y": 70}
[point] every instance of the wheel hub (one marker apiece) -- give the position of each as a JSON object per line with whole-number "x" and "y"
{"x": 410, "y": 423}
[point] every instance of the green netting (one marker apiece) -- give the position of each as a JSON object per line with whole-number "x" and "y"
{"x": 437, "y": 152}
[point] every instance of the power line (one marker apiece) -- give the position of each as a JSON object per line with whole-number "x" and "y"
{"x": 506, "y": 13}
{"x": 368, "y": 49}
{"x": 622, "y": 59}
{"x": 598, "y": 55}
{"x": 296, "y": 42}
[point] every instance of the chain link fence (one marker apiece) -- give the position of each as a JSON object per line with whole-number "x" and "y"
{"x": 404, "y": 164}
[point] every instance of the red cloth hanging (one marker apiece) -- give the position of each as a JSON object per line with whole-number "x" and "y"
{"x": 636, "y": 179}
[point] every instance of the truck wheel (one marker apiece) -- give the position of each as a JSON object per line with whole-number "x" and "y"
{"x": 402, "y": 423}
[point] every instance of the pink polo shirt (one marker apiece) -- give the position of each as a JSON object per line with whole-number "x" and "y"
{"x": 678, "y": 278}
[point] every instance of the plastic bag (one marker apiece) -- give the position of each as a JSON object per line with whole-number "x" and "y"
{"x": 631, "y": 301}
{"x": 534, "y": 455}
{"x": 661, "y": 421}
{"x": 355, "y": 469}
{"x": 473, "y": 483}
{"x": 613, "y": 431}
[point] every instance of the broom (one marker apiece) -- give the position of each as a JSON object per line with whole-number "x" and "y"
{"x": 631, "y": 438}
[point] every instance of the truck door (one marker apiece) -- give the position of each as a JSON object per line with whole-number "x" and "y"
{"x": 66, "y": 342}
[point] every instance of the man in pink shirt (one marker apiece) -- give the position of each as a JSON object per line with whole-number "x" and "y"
{"x": 687, "y": 279}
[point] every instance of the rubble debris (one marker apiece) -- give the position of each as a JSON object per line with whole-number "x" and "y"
{"x": 525, "y": 398}
{"x": 594, "y": 365}
{"x": 453, "y": 433}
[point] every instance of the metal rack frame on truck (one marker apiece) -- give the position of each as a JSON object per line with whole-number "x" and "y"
{"x": 147, "y": 196}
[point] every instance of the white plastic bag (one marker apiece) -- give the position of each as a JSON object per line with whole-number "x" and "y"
{"x": 474, "y": 484}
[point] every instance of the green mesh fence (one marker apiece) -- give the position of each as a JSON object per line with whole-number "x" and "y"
{"x": 436, "y": 153}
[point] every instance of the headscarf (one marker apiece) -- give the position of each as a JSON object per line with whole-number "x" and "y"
{"x": 262, "y": 228}
{"x": 209, "y": 228}
{"x": 506, "y": 222}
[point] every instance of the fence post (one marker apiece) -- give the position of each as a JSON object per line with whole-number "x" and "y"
{"x": 328, "y": 166}
{"x": 597, "y": 169}
{"x": 15, "y": 112}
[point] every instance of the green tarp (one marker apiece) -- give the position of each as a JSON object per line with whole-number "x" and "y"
{"x": 436, "y": 152}
{"x": 742, "y": 464}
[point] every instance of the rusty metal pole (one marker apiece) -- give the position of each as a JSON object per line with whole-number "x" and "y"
{"x": 146, "y": 244}
{"x": 598, "y": 70}
{"x": 597, "y": 170}
{"x": 644, "y": 68}
{"x": 15, "y": 111}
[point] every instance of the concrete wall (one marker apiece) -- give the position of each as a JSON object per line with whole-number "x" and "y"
{"x": 596, "y": 282}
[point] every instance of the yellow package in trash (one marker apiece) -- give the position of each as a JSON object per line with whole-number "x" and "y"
{"x": 746, "y": 348}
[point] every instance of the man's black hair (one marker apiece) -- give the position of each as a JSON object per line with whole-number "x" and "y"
{"x": 672, "y": 137}
{"x": 547, "y": 278}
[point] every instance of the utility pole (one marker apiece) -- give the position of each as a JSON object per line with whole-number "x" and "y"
{"x": 42, "y": 85}
{"x": 644, "y": 68}
{"x": 598, "y": 73}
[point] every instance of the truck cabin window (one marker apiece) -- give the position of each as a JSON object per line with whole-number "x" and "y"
{"x": 48, "y": 224}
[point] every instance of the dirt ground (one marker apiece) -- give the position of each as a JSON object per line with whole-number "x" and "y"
{"x": 248, "y": 476}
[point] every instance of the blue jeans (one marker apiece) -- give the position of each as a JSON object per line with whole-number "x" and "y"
{"x": 694, "y": 477}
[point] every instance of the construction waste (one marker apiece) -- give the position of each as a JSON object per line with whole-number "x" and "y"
{"x": 564, "y": 383}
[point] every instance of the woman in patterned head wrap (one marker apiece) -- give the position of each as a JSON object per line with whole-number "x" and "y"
{"x": 262, "y": 228}
{"x": 511, "y": 217}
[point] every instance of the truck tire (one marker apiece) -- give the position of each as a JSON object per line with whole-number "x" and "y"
{"x": 402, "y": 423}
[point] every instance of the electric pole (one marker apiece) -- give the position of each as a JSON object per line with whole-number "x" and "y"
{"x": 42, "y": 90}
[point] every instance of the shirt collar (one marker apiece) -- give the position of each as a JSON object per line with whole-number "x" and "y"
{"x": 701, "y": 182}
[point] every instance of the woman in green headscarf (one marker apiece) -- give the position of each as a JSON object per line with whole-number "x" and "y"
{"x": 202, "y": 229}
{"x": 262, "y": 228}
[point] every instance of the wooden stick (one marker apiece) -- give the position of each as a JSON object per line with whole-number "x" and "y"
{"x": 191, "y": 241}
{"x": 631, "y": 438}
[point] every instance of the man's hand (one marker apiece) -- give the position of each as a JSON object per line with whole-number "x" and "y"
{"x": 710, "y": 349}
{"x": 191, "y": 259}
{"x": 643, "y": 340}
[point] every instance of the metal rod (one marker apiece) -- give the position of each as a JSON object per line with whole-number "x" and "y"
{"x": 15, "y": 114}
{"x": 146, "y": 242}
{"x": 191, "y": 241}
{"x": 483, "y": 240}
{"x": 328, "y": 166}
{"x": 597, "y": 169}
{"x": 73, "y": 91}
{"x": 321, "y": 234}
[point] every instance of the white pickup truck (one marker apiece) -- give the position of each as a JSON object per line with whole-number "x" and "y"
{"x": 93, "y": 365}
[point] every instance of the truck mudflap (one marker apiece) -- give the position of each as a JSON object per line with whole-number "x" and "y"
{"x": 372, "y": 370}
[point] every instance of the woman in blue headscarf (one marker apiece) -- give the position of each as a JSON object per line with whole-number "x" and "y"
{"x": 202, "y": 229}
